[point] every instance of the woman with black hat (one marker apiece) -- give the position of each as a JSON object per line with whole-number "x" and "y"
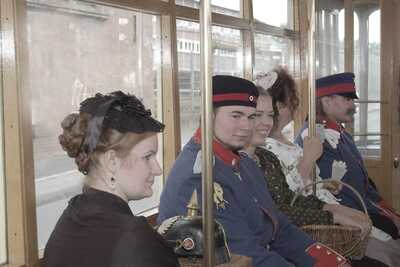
{"x": 114, "y": 142}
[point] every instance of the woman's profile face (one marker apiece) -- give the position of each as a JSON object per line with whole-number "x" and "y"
{"x": 135, "y": 177}
{"x": 264, "y": 120}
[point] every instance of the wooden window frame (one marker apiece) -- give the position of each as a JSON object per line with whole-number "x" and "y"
{"x": 22, "y": 249}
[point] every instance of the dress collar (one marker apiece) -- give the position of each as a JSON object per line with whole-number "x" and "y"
{"x": 229, "y": 157}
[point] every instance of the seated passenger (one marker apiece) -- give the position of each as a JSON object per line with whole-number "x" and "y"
{"x": 253, "y": 225}
{"x": 335, "y": 106}
{"x": 307, "y": 210}
{"x": 114, "y": 142}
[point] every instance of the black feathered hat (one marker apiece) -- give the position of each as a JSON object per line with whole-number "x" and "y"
{"x": 119, "y": 111}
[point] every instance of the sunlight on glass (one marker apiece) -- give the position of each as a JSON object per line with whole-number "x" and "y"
{"x": 273, "y": 12}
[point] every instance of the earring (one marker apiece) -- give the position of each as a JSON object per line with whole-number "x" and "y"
{"x": 112, "y": 182}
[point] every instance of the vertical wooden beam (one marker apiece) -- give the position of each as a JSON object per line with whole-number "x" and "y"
{"x": 18, "y": 150}
{"x": 388, "y": 41}
{"x": 395, "y": 109}
{"x": 303, "y": 27}
{"x": 349, "y": 44}
{"x": 248, "y": 40}
{"x": 170, "y": 90}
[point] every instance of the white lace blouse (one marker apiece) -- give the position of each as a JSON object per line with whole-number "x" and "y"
{"x": 290, "y": 156}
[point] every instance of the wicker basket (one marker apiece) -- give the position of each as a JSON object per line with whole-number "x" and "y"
{"x": 236, "y": 261}
{"x": 346, "y": 240}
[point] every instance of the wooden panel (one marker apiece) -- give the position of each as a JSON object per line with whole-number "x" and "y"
{"x": 172, "y": 137}
{"x": 395, "y": 105}
{"x": 384, "y": 176}
{"x": 21, "y": 210}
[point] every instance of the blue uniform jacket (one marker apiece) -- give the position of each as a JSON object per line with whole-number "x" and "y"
{"x": 356, "y": 175}
{"x": 253, "y": 225}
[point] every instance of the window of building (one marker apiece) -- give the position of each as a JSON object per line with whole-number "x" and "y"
{"x": 276, "y": 13}
{"x": 227, "y": 59}
{"x": 272, "y": 51}
{"x": 367, "y": 45}
{"x": 226, "y": 7}
{"x": 329, "y": 45}
{"x": 76, "y": 50}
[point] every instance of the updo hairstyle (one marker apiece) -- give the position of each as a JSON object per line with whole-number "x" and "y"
{"x": 74, "y": 131}
{"x": 284, "y": 90}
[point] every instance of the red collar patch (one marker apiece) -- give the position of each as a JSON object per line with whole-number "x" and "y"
{"x": 229, "y": 157}
{"x": 329, "y": 124}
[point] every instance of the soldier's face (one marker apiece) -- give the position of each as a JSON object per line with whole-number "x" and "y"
{"x": 233, "y": 125}
{"x": 339, "y": 108}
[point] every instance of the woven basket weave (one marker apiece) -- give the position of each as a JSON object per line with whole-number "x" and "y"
{"x": 346, "y": 240}
{"x": 236, "y": 261}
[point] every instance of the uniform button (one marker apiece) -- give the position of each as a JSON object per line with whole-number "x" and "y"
{"x": 339, "y": 259}
{"x": 255, "y": 200}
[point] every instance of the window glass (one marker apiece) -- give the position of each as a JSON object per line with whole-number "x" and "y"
{"x": 75, "y": 50}
{"x": 329, "y": 50}
{"x": 367, "y": 72}
{"x": 227, "y": 59}
{"x": 3, "y": 230}
{"x": 226, "y": 7}
{"x": 271, "y": 51}
{"x": 276, "y": 13}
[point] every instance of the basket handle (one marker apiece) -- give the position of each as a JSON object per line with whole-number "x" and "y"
{"x": 332, "y": 180}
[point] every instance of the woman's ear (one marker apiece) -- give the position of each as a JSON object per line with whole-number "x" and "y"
{"x": 110, "y": 161}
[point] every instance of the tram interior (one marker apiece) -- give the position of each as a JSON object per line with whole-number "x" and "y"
{"x": 55, "y": 53}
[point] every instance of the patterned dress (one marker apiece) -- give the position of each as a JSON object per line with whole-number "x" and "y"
{"x": 289, "y": 157}
{"x": 306, "y": 209}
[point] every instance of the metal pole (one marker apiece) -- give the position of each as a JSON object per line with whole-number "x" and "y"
{"x": 207, "y": 132}
{"x": 311, "y": 78}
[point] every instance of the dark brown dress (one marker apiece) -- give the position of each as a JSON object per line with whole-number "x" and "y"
{"x": 306, "y": 210}
{"x": 98, "y": 229}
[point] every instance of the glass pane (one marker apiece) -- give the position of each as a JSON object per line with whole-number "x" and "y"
{"x": 271, "y": 51}
{"x": 369, "y": 146}
{"x": 367, "y": 121}
{"x": 76, "y": 50}
{"x": 227, "y": 7}
{"x": 276, "y": 13}
{"x": 329, "y": 50}
{"x": 3, "y": 229}
{"x": 227, "y": 60}
{"x": 367, "y": 54}
{"x": 367, "y": 71}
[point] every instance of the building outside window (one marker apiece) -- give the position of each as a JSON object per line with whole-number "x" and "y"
{"x": 226, "y": 7}
{"x": 227, "y": 60}
{"x": 77, "y": 49}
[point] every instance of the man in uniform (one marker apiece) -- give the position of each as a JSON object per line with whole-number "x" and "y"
{"x": 341, "y": 160}
{"x": 254, "y": 227}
